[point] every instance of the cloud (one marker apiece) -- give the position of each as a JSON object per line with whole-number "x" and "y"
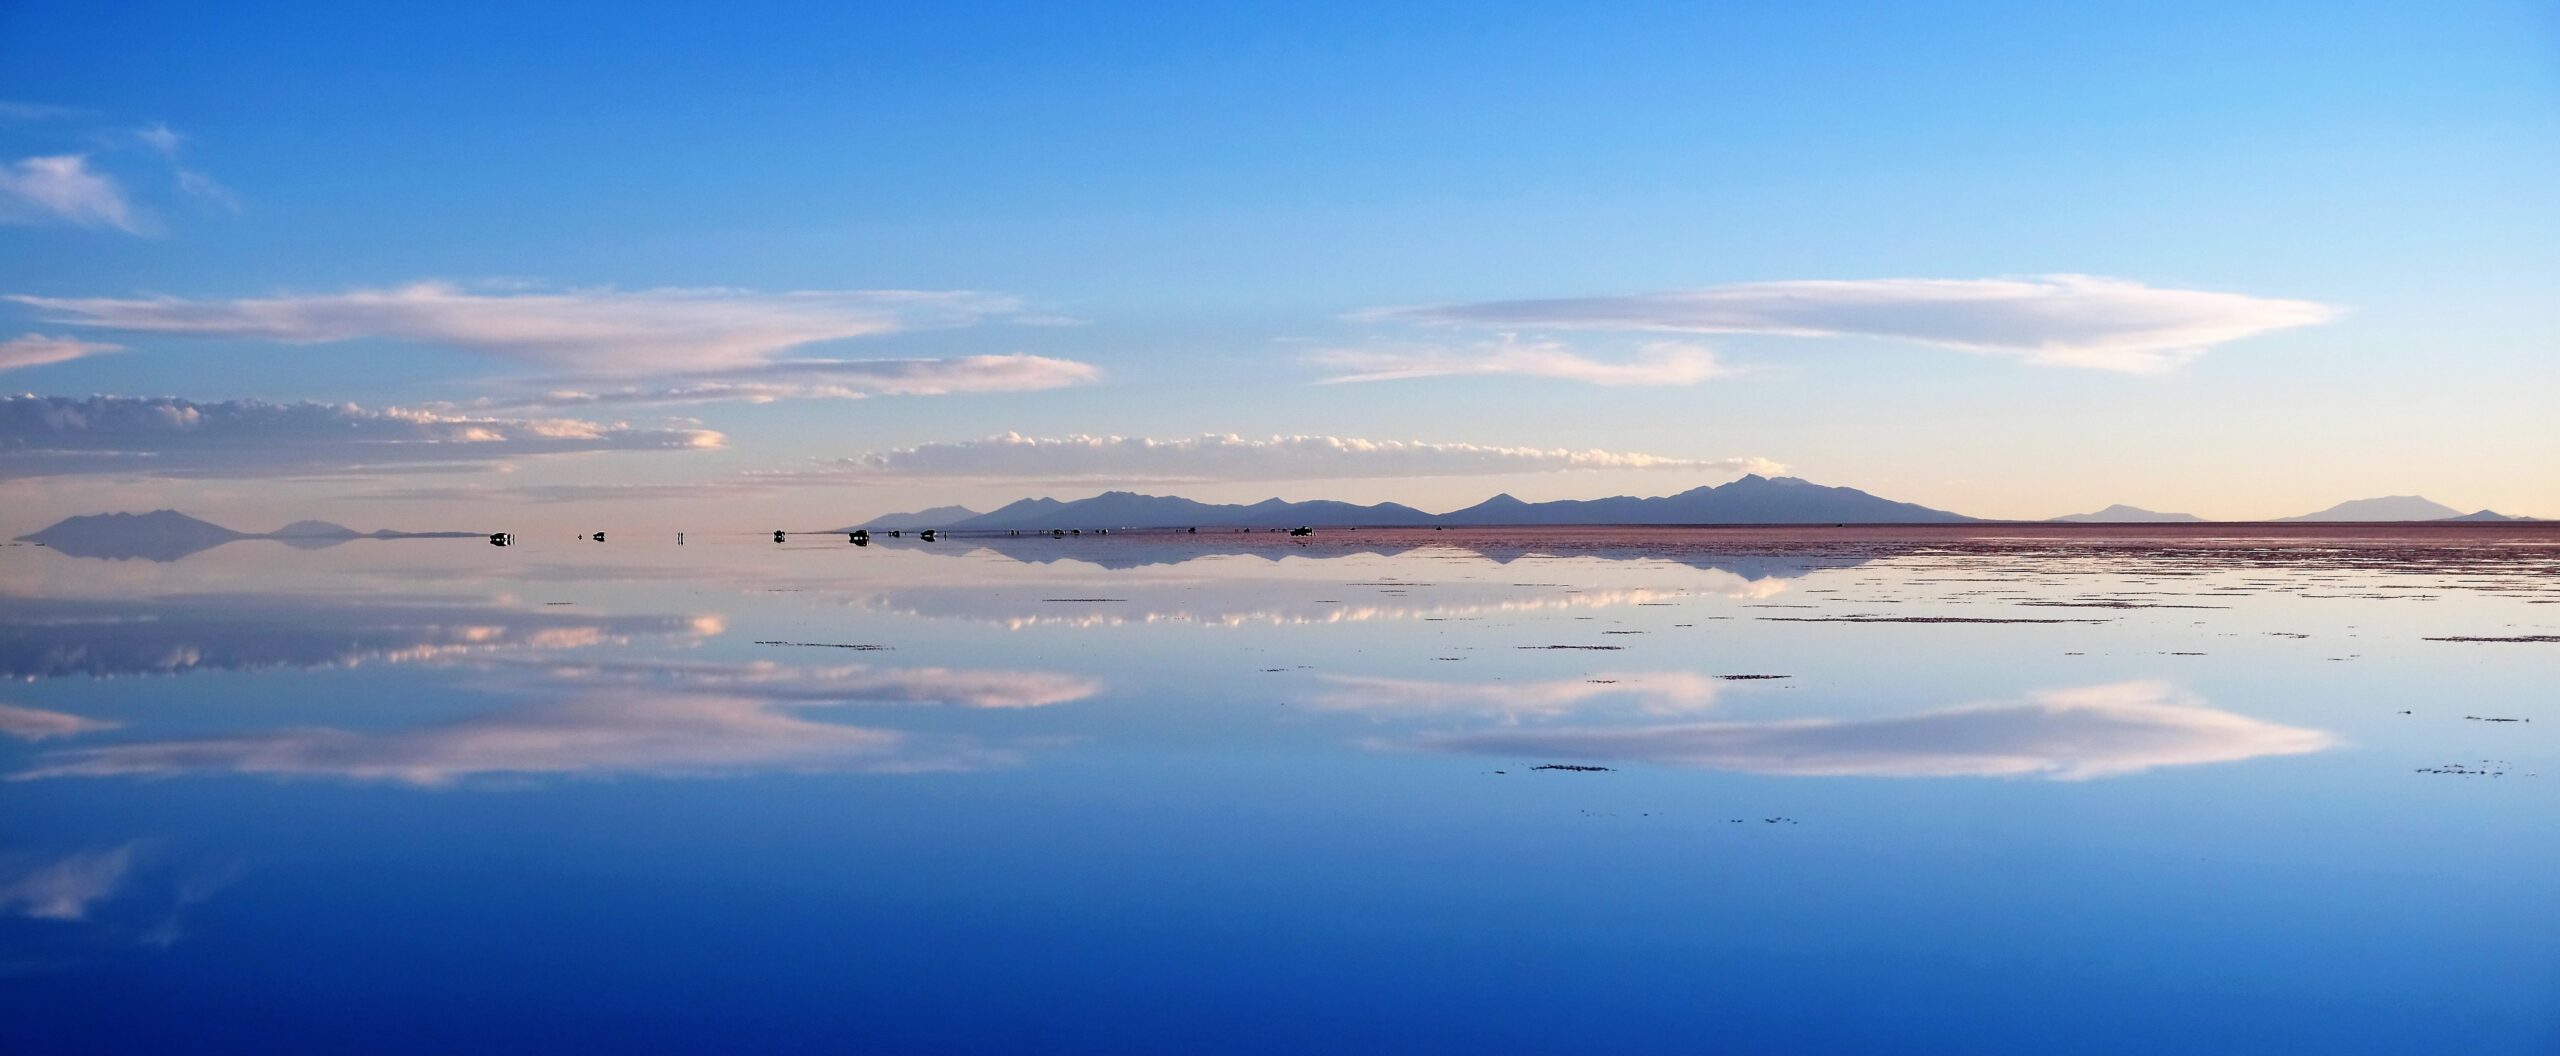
{"x": 36, "y": 350}
{"x": 43, "y": 436}
{"x": 828, "y": 379}
{"x": 36, "y": 724}
{"x": 1650, "y": 693}
{"x": 1012, "y": 456}
{"x": 2069, "y": 735}
{"x": 602, "y": 332}
{"x": 63, "y": 888}
{"x": 2058, "y": 320}
{"x": 63, "y": 189}
{"x": 1656, "y": 363}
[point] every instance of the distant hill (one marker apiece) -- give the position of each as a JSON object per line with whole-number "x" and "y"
{"x": 2490, "y": 515}
{"x": 937, "y": 517}
{"x": 1750, "y": 500}
{"x": 1754, "y": 499}
{"x": 160, "y": 535}
{"x": 2123, "y": 514}
{"x": 167, "y": 535}
{"x": 2387, "y": 508}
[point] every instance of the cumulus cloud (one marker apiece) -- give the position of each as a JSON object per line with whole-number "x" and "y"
{"x": 1648, "y": 693}
{"x": 36, "y": 724}
{"x": 63, "y": 888}
{"x": 1012, "y": 456}
{"x": 1656, "y": 363}
{"x": 64, "y": 189}
{"x": 163, "y": 436}
{"x": 841, "y": 379}
{"x": 2059, "y": 320}
{"x": 2074, "y": 734}
{"x": 36, "y": 350}
{"x": 602, "y": 332}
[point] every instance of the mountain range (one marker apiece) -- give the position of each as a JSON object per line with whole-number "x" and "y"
{"x": 1752, "y": 499}
{"x": 167, "y": 535}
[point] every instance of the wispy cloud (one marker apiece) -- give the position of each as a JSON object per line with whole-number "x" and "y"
{"x": 63, "y": 888}
{"x": 2074, "y": 734}
{"x": 1656, "y": 363}
{"x": 36, "y": 724}
{"x": 64, "y": 189}
{"x": 1012, "y": 456}
{"x": 599, "y": 332}
{"x": 163, "y": 436}
{"x": 2059, "y": 320}
{"x": 825, "y": 379}
{"x": 36, "y": 350}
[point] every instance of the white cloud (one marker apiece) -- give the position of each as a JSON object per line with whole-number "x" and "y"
{"x": 162, "y": 436}
{"x": 36, "y": 724}
{"x": 604, "y": 333}
{"x": 2075, "y": 734}
{"x": 829, "y": 379}
{"x": 2060, "y": 320}
{"x": 63, "y": 189}
{"x": 1011, "y": 456}
{"x": 63, "y": 888}
{"x": 36, "y": 350}
{"x": 1656, "y": 363}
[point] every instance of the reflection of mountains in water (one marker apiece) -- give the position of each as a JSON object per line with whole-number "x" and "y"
{"x": 56, "y": 638}
{"x": 1146, "y": 550}
{"x": 167, "y": 535}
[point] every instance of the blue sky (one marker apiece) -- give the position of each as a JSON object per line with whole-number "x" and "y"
{"x": 2320, "y": 235}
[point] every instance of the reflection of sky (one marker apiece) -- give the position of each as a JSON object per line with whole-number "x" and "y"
{"x": 1267, "y": 789}
{"x": 53, "y": 638}
{"x": 2092, "y": 731}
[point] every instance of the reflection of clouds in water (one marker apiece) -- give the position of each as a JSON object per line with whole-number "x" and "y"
{"x": 55, "y": 638}
{"x": 63, "y": 888}
{"x": 668, "y": 735}
{"x": 849, "y": 683}
{"x": 620, "y": 717}
{"x": 1647, "y": 693}
{"x": 2095, "y": 731}
{"x": 1122, "y": 605}
{"x": 36, "y": 724}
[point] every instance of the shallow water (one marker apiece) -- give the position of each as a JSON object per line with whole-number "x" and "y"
{"x": 1984, "y": 790}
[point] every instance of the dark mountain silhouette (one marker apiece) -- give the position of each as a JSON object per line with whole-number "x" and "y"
{"x": 167, "y": 535}
{"x": 1750, "y": 500}
{"x": 160, "y": 535}
{"x": 2387, "y": 508}
{"x": 1754, "y": 499}
{"x": 937, "y": 517}
{"x": 2123, "y": 514}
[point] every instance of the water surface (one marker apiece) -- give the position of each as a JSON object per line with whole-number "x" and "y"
{"x": 2007, "y": 789}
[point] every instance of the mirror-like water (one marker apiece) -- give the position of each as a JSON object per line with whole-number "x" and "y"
{"x": 1979, "y": 790}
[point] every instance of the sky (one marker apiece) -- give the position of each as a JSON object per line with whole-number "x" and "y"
{"x": 664, "y": 266}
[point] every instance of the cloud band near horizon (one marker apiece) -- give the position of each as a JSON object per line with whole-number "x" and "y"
{"x": 1229, "y": 457}
{"x": 2055, "y": 320}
